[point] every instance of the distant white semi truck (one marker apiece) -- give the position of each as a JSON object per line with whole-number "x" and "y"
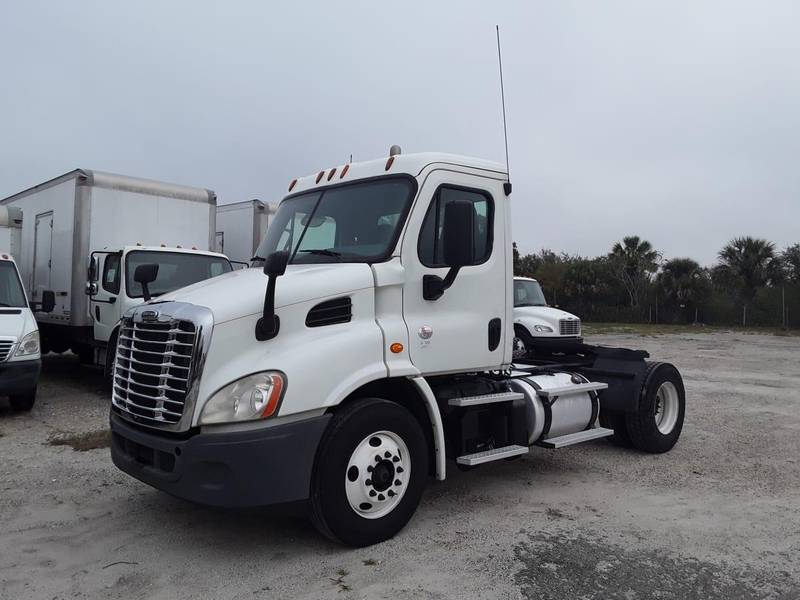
{"x": 83, "y": 235}
{"x": 536, "y": 323}
{"x": 240, "y": 228}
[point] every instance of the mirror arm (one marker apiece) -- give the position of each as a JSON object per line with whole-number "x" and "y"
{"x": 269, "y": 324}
{"x": 146, "y": 291}
{"x": 433, "y": 286}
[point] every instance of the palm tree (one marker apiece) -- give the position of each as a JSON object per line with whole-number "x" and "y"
{"x": 791, "y": 261}
{"x": 634, "y": 261}
{"x": 748, "y": 264}
{"x": 683, "y": 282}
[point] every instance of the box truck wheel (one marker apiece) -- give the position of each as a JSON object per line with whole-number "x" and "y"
{"x": 369, "y": 474}
{"x": 23, "y": 402}
{"x": 658, "y": 424}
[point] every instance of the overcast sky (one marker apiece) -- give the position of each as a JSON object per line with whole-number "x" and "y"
{"x": 677, "y": 121}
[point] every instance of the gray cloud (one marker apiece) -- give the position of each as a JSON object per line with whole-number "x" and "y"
{"x": 674, "y": 120}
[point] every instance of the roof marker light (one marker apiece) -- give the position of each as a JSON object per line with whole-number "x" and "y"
{"x": 332, "y": 173}
{"x": 319, "y": 177}
{"x": 292, "y": 184}
{"x": 163, "y": 245}
{"x": 194, "y": 247}
{"x": 344, "y": 171}
{"x": 389, "y": 163}
{"x": 180, "y": 246}
{"x": 5, "y": 256}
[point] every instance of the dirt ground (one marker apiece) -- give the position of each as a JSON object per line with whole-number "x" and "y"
{"x": 718, "y": 517}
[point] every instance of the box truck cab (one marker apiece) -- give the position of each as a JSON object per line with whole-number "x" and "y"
{"x": 113, "y": 290}
{"x": 20, "y": 357}
{"x": 375, "y": 344}
{"x": 537, "y": 323}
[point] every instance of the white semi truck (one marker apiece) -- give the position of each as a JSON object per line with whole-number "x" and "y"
{"x": 240, "y": 228}
{"x": 83, "y": 235}
{"x": 374, "y": 348}
{"x": 538, "y": 325}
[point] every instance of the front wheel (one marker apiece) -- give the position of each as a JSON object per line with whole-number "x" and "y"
{"x": 23, "y": 402}
{"x": 658, "y": 424}
{"x": 369, "y": 474}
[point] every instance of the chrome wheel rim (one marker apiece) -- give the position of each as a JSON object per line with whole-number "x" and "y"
{"x": 667, "y": 403}
{"x": 519, "y": 350}
{"x": 377, "y": 474}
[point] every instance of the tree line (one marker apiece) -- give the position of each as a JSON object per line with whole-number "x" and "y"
{"x": 752, "y": 283}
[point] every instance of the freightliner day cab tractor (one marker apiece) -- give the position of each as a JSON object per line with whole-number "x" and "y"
{"x": 371, "y": 351}
{"x": 537, "y": 323}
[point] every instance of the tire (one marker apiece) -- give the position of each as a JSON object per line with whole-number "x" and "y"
{"x": 336, "y": 487}
{"x": 616, "y": 421}
{"x": 523, "y": 338}
{"x": 23, "y": 402}
{"x": 658, "y": 424}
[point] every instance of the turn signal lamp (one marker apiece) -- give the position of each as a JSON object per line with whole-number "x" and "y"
{"x": 396, "y": 348}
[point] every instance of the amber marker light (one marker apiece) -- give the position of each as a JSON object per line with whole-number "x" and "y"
{"x": 332, "y": 173}
{"x": 344, "y": 171}
{"x": 319, "y": 177}
{"x": 291, "y": 185}
{"x": 396, "y": 348}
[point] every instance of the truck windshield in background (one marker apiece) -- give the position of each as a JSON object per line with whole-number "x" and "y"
{"x": 175, "y": 270}
{"x": 357, "y": 222}
{"x": 11, "y": 293}
{"x": 528, "y": 293}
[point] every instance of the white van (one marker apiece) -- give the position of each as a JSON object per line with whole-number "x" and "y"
{"x": 20, "y": 357}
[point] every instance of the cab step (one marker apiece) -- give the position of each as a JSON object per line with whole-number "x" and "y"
{"x": 569, "y": 390}
{"x": 486, "y": 399}
{"x": 478, "y": 458}
{"x": 577, "y": 438}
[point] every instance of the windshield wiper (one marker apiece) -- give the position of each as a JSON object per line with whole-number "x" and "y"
{"x": 322, "y": 252}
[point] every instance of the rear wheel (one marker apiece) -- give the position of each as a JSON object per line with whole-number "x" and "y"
{"x": 658, "y": 424}
{"x": 370, "y": 471}
{"x": 23, "y": 402}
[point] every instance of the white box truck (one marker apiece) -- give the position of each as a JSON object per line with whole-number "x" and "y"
{"x": 240, "y": 228}
{"x": 79, "y": 233}
{"x": 377, "y": 346}
{"x": 11, "y": 230}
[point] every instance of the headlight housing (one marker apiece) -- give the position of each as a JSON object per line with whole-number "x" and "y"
{"x": 250, "y": 398}
{"x": 29, "y": 345}
{"x": 542, "y": 328}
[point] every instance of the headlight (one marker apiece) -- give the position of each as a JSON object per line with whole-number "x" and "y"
{"x": 29, "y": 345}
{"x": 250, "y": 398}
{"x": 542, "y": 328}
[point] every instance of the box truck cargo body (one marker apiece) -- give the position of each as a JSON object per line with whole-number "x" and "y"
{"x": 240, "y": 228}
{"x": 87, "y": 213}
{"x": 10, "y": 230}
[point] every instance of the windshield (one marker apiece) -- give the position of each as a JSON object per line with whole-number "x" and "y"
{"x": 359, "y": 222}
{"x": 528, "y": 293}
{"x": 175, "y": 270}
{"x": 11, "y": 293}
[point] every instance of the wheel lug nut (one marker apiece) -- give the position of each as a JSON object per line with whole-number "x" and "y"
{"x": 381, "y": 497}
{"x": 398, "y": 482}
{"x": 377, "y": 459}
{"x": 399, "y": 469}
{"x": 369, "y": 469}
{"x": 395, "y": 459}
{"x": 391, "y": 493}
{"x": 387, "y": 454}
{"x": 372, "y": 493}
{"x": 368, "y": 482}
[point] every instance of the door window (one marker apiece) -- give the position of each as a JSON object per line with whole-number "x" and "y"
{"x": 430, "y": 248}
{"x": 111, "y": 273}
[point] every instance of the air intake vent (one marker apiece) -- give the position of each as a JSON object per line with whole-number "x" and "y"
{"x": 330, "y": 313}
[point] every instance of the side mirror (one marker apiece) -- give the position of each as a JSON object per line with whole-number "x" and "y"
{"x": 145, "y": 275}
{"x": 458, "y": 229}
{"x": 91, "y": 272}
{"x": 91, "y": 288}
{"x": 269, "y": 324}
{"x": 457, "y": 233}
{"x": 48, "y": 302}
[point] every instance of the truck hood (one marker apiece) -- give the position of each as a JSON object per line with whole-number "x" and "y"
{"x": 17, "y": 325}
{"x": 545, "y": 313}
{"x": 241, "y": 293}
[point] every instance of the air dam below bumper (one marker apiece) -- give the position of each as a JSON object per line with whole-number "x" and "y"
{"x": 253, "y": 468}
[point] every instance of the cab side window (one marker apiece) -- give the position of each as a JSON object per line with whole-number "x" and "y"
{"x": 430, "y": 247}
{"x": 111, "y": 273}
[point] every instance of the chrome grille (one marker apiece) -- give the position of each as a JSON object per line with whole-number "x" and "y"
{"x": 153, "y": 369}
{"x": 5, "y": 349}
{"x": 569, "y": 326}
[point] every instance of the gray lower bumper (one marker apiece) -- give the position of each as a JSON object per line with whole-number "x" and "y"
{"x": 242, "y": 469}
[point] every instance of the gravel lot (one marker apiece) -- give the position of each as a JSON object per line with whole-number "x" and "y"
{"x": 718, "y": 517}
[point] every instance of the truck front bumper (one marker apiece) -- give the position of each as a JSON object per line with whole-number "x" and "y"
{"x": 240, "y": 469}
{"x": 19, "y": 377}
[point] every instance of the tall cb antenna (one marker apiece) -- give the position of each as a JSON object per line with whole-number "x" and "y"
{"x": 507, "y": 184}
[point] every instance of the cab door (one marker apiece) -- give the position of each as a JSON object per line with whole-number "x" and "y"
{"x": 464, "y": 329}
{"x": 104, "y": 304}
